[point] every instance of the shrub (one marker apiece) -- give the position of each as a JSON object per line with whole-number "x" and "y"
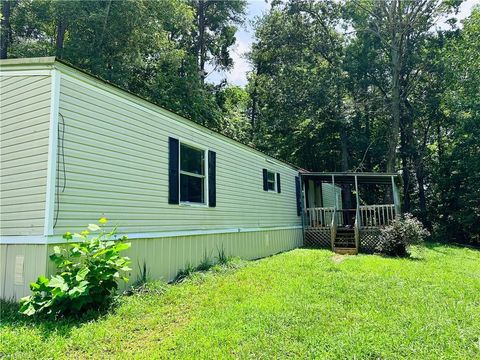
{"x": 86, "y": 278}
{"x": 396, "y": 239}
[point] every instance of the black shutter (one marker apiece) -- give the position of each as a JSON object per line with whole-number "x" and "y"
{"x": 279, "y": 189}
{"x": 173, "y": 171}
{"x": 299, "y": 195}
{"x": 265, "y": 180}
{"x": 212, "y": 189}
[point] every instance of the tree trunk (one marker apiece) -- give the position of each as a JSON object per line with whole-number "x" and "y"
{"x": 368, "y": 135}
{"x": 201, "y": 39}
{"x": 105, "y": 21}
{"x": 395, "y": 126}
{"x": 253, "y": 117}
{"x": 420, "y": 174}
{"x": 61, "y": 28}
{"x": 395, "y": 54}
{"x": 405, "y": 172}
{"x": 347, "y": 191}
{"x": 5, "y": 29}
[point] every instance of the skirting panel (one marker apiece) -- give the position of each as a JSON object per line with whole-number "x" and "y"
{"x": 369, "y": 239}
{"x": 165, "y": 257}
{"x": 20, "y": 265}
{"x": 318, "y": 238}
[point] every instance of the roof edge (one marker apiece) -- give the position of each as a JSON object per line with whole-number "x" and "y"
{"x": 371, "y": 174}
{"x": 47, "y": 60}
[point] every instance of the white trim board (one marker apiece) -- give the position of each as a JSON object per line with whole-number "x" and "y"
{"x": 10, "y": 73}
{"x": 58, "y": 239}
{"x": 52, "y": 154}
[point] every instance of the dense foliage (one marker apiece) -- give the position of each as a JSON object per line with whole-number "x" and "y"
{"x": 397, "y": 238}
{"x": 365, "y": 85}
{"x": 351, "y": 85}
{"x": 87, "y": 275}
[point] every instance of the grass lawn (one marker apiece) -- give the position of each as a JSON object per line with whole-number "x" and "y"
{"x": 304, "y": 303}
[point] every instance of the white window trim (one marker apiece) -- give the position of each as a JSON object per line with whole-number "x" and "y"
{"x": 274, "y": 182}
{"x": 205, "y": 177}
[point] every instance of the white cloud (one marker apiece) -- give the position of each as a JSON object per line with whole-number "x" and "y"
{"x": 238, "y": 74}
{"x": 245, "y": 38}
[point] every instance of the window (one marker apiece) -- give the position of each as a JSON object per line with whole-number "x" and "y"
{"x": 192, "y": 174}
{"x": 271, "y": 184}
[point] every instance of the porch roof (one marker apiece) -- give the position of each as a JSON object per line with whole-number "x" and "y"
{"x": 349, "y": 178}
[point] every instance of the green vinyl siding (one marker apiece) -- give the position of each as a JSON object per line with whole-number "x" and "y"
{"x": 329, "y": 192}
{"x": 25, "y": 118}
{"x": 116, "y": 165}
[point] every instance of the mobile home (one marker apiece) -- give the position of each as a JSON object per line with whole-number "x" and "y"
{"x": 75, "y": 148}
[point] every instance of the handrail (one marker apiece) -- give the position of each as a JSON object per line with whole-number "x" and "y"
{"x": 376, "y": 215}
{"x": 318, "y": 216}
{"x": 357, "y": 228}
{"x": 333, "y": 229}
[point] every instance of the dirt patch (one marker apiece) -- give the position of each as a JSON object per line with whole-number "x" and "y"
{"x": 337, "y": 258}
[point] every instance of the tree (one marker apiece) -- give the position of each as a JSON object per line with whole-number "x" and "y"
{"x": 215, "y": 27}
{"x": 455, "y": 195}
{"x": 400, "y": 26}
{"x": 6, "y": 30}
{"x": 147, "y": 47}
{"x": 297, "y": 82}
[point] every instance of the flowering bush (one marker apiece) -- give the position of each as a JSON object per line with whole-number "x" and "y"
{"x": 86, "y": 278}
{"x": 395, "y": 239}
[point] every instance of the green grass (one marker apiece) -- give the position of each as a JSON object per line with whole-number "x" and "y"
{"x": 304, "y": 303}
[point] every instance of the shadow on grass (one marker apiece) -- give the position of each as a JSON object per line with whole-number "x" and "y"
{"x": 436, "y": 245}
{"x": 416, "y": 256}
{"x": 10, "y": 317}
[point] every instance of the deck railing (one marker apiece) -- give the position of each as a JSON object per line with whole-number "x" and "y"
{"x": 376, "y": 215}
{"x": 369, "y": 216}
{"x": 319, "y": 217}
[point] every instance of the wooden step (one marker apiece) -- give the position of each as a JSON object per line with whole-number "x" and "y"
{"x": 345, "y": 250}
{"x": 345, "y": 241}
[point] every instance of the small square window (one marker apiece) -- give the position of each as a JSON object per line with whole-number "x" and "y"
{"x": 271, "y": 183}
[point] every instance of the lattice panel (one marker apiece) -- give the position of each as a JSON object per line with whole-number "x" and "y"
{"x": 317, "y": 238}
{"x": 369, "y": 239}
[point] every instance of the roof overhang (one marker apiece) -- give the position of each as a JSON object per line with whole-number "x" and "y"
{"x": 349, "y": 178}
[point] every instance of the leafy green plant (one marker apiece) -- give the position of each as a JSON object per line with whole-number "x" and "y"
{"x": 397, "y": 238}
{"x": 206, "y": 262}
{"x": 186, "y": 272}
{"x": 87, "y": 274}
{"x": 144, "y": 274}
{"x": 222, "y": 257}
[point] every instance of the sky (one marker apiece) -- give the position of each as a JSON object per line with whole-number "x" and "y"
{"x": 245, "y": 38}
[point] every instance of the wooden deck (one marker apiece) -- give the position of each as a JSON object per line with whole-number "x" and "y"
{"x": 347, "y": 230}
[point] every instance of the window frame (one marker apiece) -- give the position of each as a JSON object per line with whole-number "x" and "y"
{"x": 274, "y": 181}
{"x": 195, "y": 146}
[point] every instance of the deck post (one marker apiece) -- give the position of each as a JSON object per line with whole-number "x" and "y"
{"x": 334, "y": 193}
{"x": 302, "y": 205}
{"x": 357, "y": 197}
{"x": 396, "y": 198}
